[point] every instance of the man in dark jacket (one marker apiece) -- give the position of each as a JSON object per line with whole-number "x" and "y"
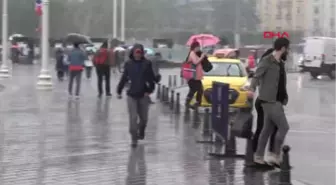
{"x": 102, "y": 63}
{"x": 138, "y": 71}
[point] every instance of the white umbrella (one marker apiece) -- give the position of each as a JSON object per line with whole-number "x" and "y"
{"x": 15, "y": 35}
{"x": 119, "y": 49}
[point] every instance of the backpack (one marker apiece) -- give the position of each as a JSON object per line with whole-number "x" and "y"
{"x": 101, "y": 57}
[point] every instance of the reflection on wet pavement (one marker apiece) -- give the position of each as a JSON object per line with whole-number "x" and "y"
{"x": 48, "y": 140}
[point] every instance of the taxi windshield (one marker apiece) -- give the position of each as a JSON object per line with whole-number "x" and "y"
{"x": 226, "y": 69}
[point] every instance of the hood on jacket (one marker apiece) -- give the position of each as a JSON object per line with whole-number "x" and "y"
{"x": 135, "y": 47}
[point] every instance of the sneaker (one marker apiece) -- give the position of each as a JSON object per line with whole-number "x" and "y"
{"x": 259, "y": 159}
{"x": 99, "y": 95}
{"x": 108, "y": 94}
{"x": 274, "y": 159}
{"x": 194, "y": 106}
{"x": 77, "y": 97}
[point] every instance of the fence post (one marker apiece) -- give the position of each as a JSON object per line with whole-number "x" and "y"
{"x": 167, "y": 95}
{"x": 174, "y": 81}
{"x": 163, "y": 91}
{"x": 158, "y": 94}
{"x": 172, "y": 100}
{"x": 177, "y": 103}
{"x": 285, "y": 168}
{"x": 170, "y": 81}
{"x": 196, "y": 117}
{"x": 182, "y": 81}
{"x": 206, "y": 126}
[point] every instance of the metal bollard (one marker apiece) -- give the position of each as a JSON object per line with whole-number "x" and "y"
{"x": 206, "y": 133}
{"x": 167, "y": 95}
{"x": 177, "y": 103}
{"x": 170, "y": 81}
{"x": 206, "y": 125}
{"x": 196, "y": 118}
{"x": 249, "y": 161}
{"x": 174, "y": 81}
{"x": 163, "y": 93}
{"x": 285, "y": 168}
{"x": 158, "y": 93}
{"x": 172, "y": 100}
{"x": 182, "y": 81}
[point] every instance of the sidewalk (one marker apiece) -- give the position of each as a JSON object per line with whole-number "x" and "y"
{"x": 47, "y": 139}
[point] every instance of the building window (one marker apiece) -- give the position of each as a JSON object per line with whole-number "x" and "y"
{"x": 289, "y": 17}
{"x": 316, "y": 10}
{"x": 278, "y": 16}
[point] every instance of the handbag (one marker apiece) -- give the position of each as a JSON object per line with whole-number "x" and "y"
{"x": 242, "y": 125}
{"x": 188, "y": 69}
{"x": 207, "y": 66}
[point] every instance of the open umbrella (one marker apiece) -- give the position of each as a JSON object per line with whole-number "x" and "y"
{"x": 15, "y": 35}
{"x": 77, "y": 38}
{"x": 148, "y": 51}
{"x": 203, "y": 39}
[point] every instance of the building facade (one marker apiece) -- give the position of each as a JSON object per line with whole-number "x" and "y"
{"x": 311, "y": 17}
{"x": 281, "y": 15}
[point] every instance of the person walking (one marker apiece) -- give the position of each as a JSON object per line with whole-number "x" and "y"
{"x": 76, "y": 59}
{"x": 138, "y": 71}
{"x": 270, "y": 76}
{"x": 60, "y": 65}
{"x": 260, "y": 122}
{"x": 195, "y": 84}
{"x": 102, "y": 63}
{"x": 89, "y": 64}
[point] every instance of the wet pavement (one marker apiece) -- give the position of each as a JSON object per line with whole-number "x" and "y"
{"x": 48, "y": 140}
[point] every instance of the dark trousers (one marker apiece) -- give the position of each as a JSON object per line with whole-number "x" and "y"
{"x": 75, "y": 75}
{"x": 195, "y": 86}
{"x": 103, "y": 73}
{"x": 88, "y": 72}
{"x": 260, "y": 125}
{"x": 60, "y": 75}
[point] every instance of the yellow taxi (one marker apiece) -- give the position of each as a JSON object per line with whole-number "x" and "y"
{"x": 232, "y": 72}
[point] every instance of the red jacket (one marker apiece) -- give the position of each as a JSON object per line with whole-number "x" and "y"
{"x": 251, "y": 62}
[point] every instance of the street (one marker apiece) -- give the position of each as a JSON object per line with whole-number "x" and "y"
{"x": 47, "y": 139}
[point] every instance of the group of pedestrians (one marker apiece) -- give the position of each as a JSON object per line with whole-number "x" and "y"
{"x": 270, "y": 78}
{"x": 272, "y": 125}
{"x": 139, "y": 75}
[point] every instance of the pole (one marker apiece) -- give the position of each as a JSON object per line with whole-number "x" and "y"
{"x": 123, "y": 12}
{"x": 115, "y": 20}
{"x": 44, "y": 79}
{"x": 4, "y": 70}
{"x": 237, "y": 25}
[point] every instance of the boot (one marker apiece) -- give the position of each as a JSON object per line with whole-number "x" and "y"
{"x": 134, "y": 142}
{"x": 142, "y": 131}
{"x": 194, "y": 106}
{"x": 187, "y": 102}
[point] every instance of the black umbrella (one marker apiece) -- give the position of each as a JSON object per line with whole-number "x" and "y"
{"x": 77, "y": 38}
